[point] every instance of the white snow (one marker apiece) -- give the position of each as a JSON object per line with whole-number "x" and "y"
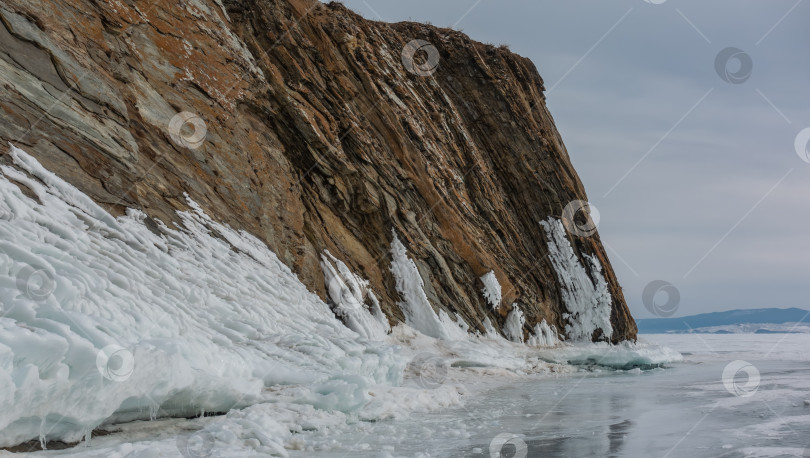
{"x": 348, "y": 293}
{"x": 586, "y": 297}
{"x": 492, "y": 289}
{"x": 513, "y": 328}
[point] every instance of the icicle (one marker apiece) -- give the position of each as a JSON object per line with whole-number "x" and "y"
{"x": 88, "y": 433}
{"x": 43, "y": 442}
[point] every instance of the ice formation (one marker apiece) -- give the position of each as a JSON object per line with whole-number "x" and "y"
{"x": 490, "y": 329}
{"x": 196, "y": 319}
{"x": 492, "y": 289}
{"x": 513, "y": 328}
{"x": 543, "y": 336}
{"x": 348, "y": 293}
{"x": 625, "y": 355}
{"x": 586, "y": 297}
{"x": 419, "y": 314}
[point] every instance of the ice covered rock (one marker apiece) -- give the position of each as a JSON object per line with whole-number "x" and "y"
{"x": 419, "y": 313}
{"x": 492, "y": 289}
{"x": 544, "y": 335}
{"x": 584, "y": 289}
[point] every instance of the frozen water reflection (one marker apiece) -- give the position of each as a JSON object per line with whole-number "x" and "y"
{"x": 685, "y": 410}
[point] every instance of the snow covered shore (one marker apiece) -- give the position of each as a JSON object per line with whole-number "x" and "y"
{"x": 105, "y": 321}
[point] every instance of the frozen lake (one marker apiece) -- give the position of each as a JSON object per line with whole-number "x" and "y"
{"x": 744, "y": 395}
{"x": 684, "y": 410}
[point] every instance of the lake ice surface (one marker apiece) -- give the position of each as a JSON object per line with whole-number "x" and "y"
{"x": 684, "y": 410}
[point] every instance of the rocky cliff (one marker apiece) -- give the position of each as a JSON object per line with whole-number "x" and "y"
{"x": 312, "y": 129}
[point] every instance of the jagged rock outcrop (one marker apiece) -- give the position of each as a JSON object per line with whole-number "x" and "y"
{"x": 312, "y": 129}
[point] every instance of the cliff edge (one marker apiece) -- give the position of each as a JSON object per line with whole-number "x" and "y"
{"x": 318, "y": 131}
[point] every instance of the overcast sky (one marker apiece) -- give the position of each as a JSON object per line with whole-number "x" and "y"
{"x": 697, "y": 180}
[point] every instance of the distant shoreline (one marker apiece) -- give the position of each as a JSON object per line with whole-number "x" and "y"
{"x": 753, "y": 321}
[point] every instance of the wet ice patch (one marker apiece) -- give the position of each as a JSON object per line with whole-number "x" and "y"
{"x": 625, "y": 355}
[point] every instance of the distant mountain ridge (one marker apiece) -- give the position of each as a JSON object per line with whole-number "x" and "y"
{"x": 766, "y": 320}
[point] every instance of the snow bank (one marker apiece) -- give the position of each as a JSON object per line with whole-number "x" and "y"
{"x": 586, "y": 297}
{"x": 492, "y": 289}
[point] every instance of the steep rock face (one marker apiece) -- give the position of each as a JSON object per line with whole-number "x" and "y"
{"x": 320, "y": 133}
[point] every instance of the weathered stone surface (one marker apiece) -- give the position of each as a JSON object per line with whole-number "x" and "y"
{"x": 318, "y": 137}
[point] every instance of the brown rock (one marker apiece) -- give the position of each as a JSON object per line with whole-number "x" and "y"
{"x": 318, "y": 137}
